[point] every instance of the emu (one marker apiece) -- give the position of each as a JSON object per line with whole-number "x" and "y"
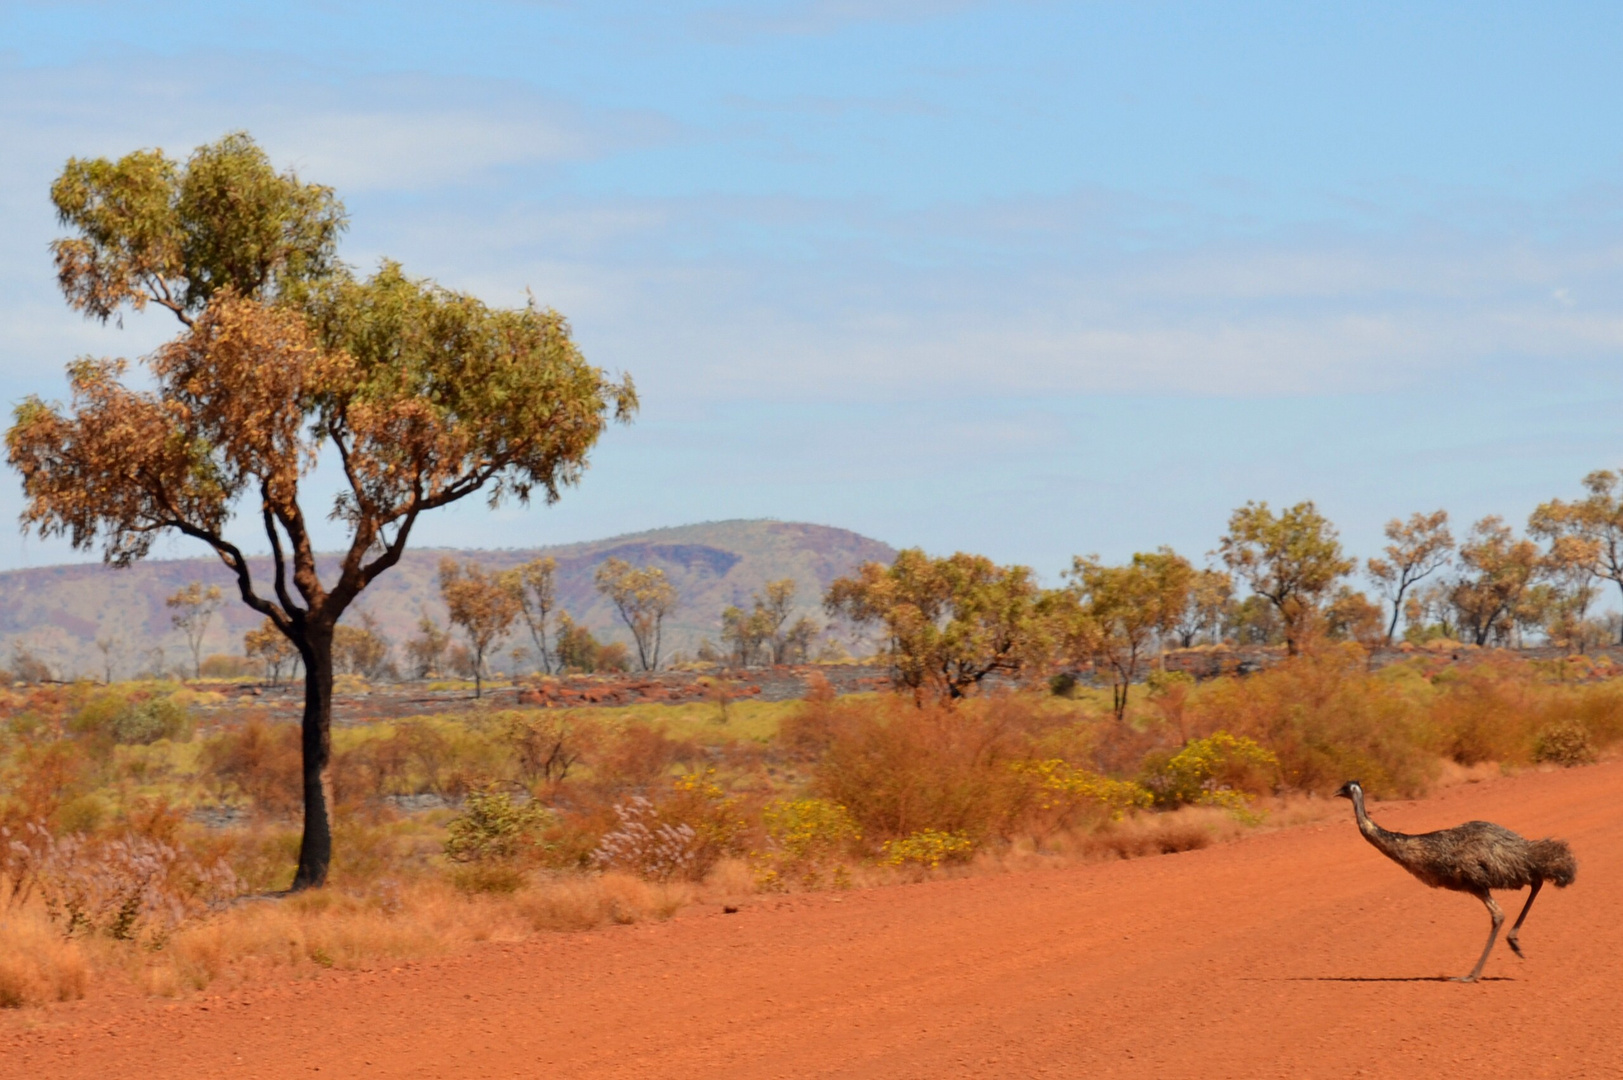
{"x": 1472, "y": 858}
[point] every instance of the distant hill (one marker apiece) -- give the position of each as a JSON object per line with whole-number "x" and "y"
{"x": 58, "y": 612}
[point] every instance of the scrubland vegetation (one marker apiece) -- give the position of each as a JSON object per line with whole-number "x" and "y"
{"x": 152, "y": 835}
{"x": 145, "y": 838}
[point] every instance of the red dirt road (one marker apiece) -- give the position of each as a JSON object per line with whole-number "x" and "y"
{"x": 1296, "y": 953}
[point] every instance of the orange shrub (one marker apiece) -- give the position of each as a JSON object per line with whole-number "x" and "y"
{"x": 37, "y": 964}
{"x": 1500, "y": 709}
{"x": 1327, "y": 720}
{"x": 261, "y": 761}
{"x": 899, "y": 768}
{"x": 1487, "y": 712}
{"x": 43, "y": 777}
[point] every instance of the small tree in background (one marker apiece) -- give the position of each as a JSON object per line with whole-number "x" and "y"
{"x": 26, "y": 666}
{"x": 1597, "y": 518}
{"x": 108, "y": 646}
{"x": 1255, "y": 621}
{"x": 745, "y": 632}
{"x": 949, "y": 623}
{"x": 1352, "y": 616}
{"x": 1418, "y": 548}
{"x": 579, "y": 650}
{"x": 193, "y": 609}
{"x": 1572, "y": 570}
{"x": 1121, "y": 612}
{"x": 1207, "y": 610}
{"x": 535, "y": 584}
{"x": 643, "y": 597}
{"x": 483, "y": 605}
{"x": 763, "y": 627}
{"x": 1293, "y": 561}
{"x": 361, "y": 650}
{"x": 424, "y": 396}
{"x": 427, "y": 650}
{"x": 1498, "y": 572}
{"x": 1428, "y": 613}
{"x": 270, "y": 647}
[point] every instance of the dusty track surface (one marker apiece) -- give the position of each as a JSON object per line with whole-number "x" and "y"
{"x": 1296, "y": 953}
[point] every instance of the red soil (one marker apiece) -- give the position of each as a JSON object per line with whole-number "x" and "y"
{"x": 1296, "y": 953}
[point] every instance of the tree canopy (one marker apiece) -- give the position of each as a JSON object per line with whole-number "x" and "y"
{"x": 949, "y": 622}
{"x": 1597, "y": 518}
{"x": 148, "y": 229}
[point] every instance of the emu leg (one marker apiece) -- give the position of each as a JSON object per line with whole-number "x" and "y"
{"x": 1498, "y": 921}
{"x": 1510, "y": 938}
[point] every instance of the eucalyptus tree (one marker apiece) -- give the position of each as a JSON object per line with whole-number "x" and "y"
{"x": 1292, "y": 559}
{"x": 1122, "y": 612}
{"x": 950, "y": 623}
{"x": 1418, "y": 548}
{"x": 421, "y": 396}
{"x": 644, "y": 597}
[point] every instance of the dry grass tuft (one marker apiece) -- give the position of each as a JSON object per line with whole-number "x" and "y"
{"x": 581, "y": 902}
{"x": 1188, "y": 829}
{"x": 36, "y": 964}
{"x": 328, "y": 928}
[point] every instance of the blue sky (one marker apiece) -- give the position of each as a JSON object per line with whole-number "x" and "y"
{"x": 1026, "y": 279}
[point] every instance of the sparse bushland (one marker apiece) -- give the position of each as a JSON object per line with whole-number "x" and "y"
{"x": 149, "y": 846}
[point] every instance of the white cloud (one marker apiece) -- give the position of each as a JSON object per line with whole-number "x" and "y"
{"x": 401, "y": 133}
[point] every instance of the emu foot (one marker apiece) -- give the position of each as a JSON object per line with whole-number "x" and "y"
{"x": 1463, "y": 979}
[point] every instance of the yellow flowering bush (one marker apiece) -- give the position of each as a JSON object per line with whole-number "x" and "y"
{"x": 805, "y": 837}
{"x": 697, "y": 800}
{"x": 1219, "y": 770}
{"x": 928, "y": 848}
{"x": 1061, "y": 788}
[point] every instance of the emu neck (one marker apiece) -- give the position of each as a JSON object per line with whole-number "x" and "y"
{"x": 1387, "y": 842}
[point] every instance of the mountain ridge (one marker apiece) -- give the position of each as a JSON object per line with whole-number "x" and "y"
{"x": 57, "y": 613}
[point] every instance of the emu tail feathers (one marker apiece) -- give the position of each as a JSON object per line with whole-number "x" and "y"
{"x": 1554, "y": 862}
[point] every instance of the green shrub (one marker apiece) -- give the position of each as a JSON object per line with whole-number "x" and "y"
{"x": 1063, "y": 685}
{"x": 492, "y": 827}
{"x": 131, "y": 720}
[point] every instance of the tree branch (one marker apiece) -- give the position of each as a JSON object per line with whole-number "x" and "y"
{"x": 161, "y": 295}
{"x": 233, "y": 558}
{"x": 294, "y": 614}
{"x": 305, "y": 578}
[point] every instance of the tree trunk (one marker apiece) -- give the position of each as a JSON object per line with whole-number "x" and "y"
{"x": 1397, "y": 610}
{"x": 315, "y": 850}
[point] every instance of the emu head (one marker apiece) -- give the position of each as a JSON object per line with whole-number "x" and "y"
{"x": 1345, "y": 791}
